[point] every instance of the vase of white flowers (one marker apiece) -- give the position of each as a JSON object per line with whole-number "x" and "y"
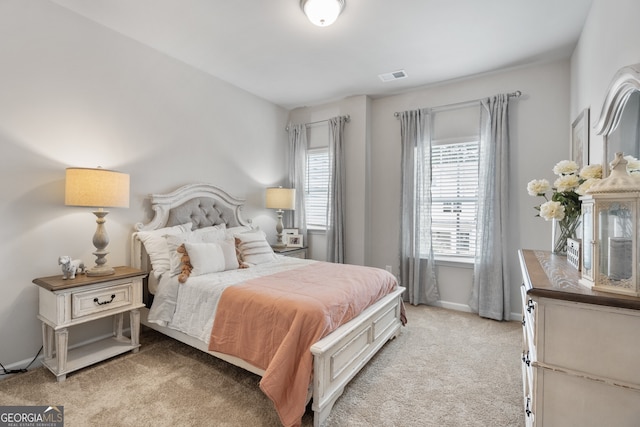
{"x": 563, "y": 208}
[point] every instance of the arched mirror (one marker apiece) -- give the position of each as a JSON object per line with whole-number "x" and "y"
{"x": 619, "y": 121}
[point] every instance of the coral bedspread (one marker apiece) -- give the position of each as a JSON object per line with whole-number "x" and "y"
{"x": 272, "y": 322}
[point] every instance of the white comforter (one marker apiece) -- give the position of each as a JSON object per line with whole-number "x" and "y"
{"x": 190, "y": 307}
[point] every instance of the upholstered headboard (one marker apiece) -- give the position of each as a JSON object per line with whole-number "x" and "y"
{"x": 202, "y": 205}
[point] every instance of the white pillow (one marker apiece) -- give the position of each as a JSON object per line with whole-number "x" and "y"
{"x": 230, "y": 257}
{"x": 211, "y": 234}
{"x": 238, "y": 229}
{"x": 215, "y": 233}
{"x": 254, "y": 248}
{"x": 205, "y": 257}
{"x": 156, "y": 246}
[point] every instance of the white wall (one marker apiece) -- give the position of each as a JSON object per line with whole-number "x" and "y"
{"x": 610, "y": 40}
{"x": 77, "y": 94}
{"x": 356, "y": 160}
{"x": 539, "y": 131}
{"x": 539, "y": 139}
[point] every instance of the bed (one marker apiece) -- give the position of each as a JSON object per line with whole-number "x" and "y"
{"x": 198, "y": 210}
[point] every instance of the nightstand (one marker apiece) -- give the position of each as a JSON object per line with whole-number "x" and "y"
{"x": 71, "y": 302}
{"x": 291, "y": 252}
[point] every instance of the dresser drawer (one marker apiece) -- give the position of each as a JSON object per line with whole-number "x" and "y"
{"x": 99, "y": 300}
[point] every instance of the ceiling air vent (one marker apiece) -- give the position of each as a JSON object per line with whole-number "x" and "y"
{"x": 394, "y": 75}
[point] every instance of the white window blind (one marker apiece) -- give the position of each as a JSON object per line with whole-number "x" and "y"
{"x": 317, "y": 187}
{"x": 454, "y": 192}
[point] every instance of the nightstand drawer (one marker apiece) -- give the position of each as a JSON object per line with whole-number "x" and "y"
{"x": 98, "y": 300}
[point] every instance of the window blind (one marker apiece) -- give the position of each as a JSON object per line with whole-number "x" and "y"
{"x": 317, "y": 187}
{"x": 454, "y": 192}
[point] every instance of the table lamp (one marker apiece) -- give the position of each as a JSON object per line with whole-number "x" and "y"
{"x": 281, "y": 199}
{"x": 98, "y": 188}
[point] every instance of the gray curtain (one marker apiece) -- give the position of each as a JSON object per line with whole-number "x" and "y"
{"x": 297, "y": 175}
{"x": 490, "y": 295}
{"x": 336, "y": 200}
{"x": 417, "y": 270}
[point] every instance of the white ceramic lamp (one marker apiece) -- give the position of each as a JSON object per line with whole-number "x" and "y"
{"x": 281, "y": 199}
{"x": 97, "y": 188}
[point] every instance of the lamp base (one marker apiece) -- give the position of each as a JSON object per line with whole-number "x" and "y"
{"x": 103, "y": 270}
{"x": 100, "y": 241}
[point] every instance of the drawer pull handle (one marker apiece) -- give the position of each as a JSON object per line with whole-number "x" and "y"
{"x": 527, "y": 410}
{"x": 97, "y": 301}
{"x": 530, "y": 306}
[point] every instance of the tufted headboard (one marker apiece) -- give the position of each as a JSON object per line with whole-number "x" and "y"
{"x": 201, "y": 204}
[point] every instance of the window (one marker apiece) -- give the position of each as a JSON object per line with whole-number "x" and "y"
{"x": 454, "y": 192}
{"x": 317, "y": 187}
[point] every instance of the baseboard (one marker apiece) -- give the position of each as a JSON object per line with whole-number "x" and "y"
{"x": 38, "y": 362}
{"x": 517, "y": 317}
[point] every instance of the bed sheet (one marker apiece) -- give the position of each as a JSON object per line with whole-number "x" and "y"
{"x": 190, "y": 307}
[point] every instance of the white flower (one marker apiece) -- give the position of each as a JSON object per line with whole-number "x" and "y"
{"x": 591, "y": 171}
{"x": 585, "y": 186}
{"x": 566, "y": 183}
{"x": 633, "y": 164}
{"x": 552, "y": 210}
{"x": 538, "y": 187}
{"x": 565, "y": 167}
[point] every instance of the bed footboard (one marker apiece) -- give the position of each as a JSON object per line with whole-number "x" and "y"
{"x": 342, "y": 354}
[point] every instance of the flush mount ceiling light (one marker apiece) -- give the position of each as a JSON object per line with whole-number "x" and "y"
{"x": 322, "y": 12}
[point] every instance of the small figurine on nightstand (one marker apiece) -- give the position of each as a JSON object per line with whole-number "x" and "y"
{"x": 70, "y": 267}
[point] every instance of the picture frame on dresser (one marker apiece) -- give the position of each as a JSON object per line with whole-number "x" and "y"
{"x": 294, "y": 240}
{"x": 579, "y": 149}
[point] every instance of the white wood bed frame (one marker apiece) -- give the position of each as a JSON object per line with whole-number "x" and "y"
{"x": 337, "y": 358}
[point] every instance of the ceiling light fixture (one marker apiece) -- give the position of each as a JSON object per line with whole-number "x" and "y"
{"x": 322, "y": 12}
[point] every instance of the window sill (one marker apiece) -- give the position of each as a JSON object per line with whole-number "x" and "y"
{"x": 318, "y": 230}
{"x": 454, "y": 262}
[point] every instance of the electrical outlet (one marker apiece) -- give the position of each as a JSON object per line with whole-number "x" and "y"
{"x": 389, "y": 268}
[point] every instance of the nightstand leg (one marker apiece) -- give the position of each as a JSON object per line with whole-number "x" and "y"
{"x": 118, "y": 325}
{"x": 47, "y": 341}
{"x": 62, "y": 341}
{"x": 134, "y": 320}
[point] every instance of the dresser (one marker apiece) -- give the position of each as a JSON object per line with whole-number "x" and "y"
{"x": 581, "y": 348}
{"x": 67, "y": 303}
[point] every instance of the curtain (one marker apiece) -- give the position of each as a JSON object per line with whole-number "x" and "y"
{"x": 297, "y": 176}
{"x": 417, "y": 271}
{"x": 336, "y": 199}
{"x": 490, "y": 294}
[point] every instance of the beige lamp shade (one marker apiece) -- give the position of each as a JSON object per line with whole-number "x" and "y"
{"x": 100, "y": 188}
{"x": 281, "y": 198}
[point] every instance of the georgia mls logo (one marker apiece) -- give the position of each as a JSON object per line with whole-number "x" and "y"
{"x": 31, "y": 416}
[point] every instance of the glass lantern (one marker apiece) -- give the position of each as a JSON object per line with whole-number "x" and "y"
{"x": 610, "y": 227}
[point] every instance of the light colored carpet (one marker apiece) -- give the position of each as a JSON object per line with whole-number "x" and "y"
{"x": 445, "y": 369}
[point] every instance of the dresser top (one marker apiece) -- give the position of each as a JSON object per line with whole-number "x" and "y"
{"x": 551, "y": 276}
{"x": 57, "y": 283}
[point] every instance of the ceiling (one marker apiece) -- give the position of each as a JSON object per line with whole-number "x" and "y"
{"x": 270, "y": 49}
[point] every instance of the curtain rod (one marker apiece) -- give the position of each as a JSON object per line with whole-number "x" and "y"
{"x": 348, "y": 118}
{"x": 515, "y": 94}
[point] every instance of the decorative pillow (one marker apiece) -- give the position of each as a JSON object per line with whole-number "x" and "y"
{"x": 215, "y": 233}
{"x": 230, "y": 258}
{"x": 211, "y": 234}
{"x": 186, "y": 264}
{"x": 205, "y": 257}
{"x": 156, "y": 246}
{"x": 232, "y": 231}
{"x": 254, "y": 248}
